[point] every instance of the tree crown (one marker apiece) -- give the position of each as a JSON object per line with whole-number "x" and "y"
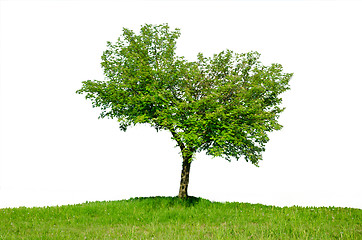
{"x": 224, "y": 105}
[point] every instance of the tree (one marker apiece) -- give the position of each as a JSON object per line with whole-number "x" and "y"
{"x": 224, "y": 105}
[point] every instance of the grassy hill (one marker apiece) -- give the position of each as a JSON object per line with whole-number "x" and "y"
{"x": 172, "y": 218}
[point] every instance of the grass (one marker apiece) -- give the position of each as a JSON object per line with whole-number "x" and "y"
{"x": 172, "y": 218}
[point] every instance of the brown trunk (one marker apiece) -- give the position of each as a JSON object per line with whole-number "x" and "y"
{"x": 185, "y": 173}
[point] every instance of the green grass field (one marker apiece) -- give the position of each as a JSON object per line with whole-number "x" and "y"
{"x": 172, "y": 218}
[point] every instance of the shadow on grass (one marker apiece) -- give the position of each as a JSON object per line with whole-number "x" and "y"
{"x": 171, "y": 201}
{"x": 191, "y": 201}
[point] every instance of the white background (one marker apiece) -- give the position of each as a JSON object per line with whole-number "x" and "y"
{"x": 54, "y": 150}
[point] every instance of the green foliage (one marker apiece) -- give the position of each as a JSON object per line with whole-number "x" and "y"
{"x": 224, "y": 105}
{"x": 174, "y": 218}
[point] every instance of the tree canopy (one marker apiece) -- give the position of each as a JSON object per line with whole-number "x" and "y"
{"x": 224, "y": 105}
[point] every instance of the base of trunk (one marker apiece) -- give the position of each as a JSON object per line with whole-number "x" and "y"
{"x": 185, "y": 173}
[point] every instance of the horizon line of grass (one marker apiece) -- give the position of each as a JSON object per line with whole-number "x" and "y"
{"x": 188, "y": 199}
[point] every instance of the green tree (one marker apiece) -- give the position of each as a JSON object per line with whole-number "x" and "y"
{"x": 224, "y": 105}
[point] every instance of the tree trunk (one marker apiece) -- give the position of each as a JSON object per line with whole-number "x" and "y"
{"x": 185, "y": 173}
